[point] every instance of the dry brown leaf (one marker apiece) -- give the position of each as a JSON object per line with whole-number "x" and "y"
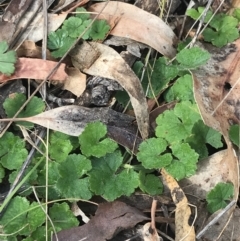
{"x": 36, "y": 69}
{"x": 182, "y": 213}
{"x": 217, "y": 88}
{"x": 217, "y": 92}
{"x": 139, "y": 25}
{"x": 107, "y": 63}
{"x": 75, "y": 82}
{"x": 30, "y": 49}
{"x": 109, "y": 219}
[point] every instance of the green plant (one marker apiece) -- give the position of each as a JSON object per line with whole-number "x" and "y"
{"x": 234, "y": 134}
{"x": 218, "y": 196}
{"x": 61, "y": 40}
{"x": 14, "y": 103}
{"x": 7, "y": 59}
{"x": 222, "y": 28}
{"x": 159, "y": 73}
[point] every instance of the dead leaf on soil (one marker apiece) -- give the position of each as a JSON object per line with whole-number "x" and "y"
{"x": 72, "y": 119}
{"x": 30, "y": 49}
{"x": 210, "y": 172}
{"x": 107, "y": 63}
{"x": 139, "y": 25}
{"x": 13, "y": 13}
{"x": 109, "y": 219}
{"x": 34, "y": 31}
{"x": 182, "y": 213}
{"x": 75, "y": 82}
{"x": 217, "y": 93}
{"x": 36, "y": 69}
{"x": 217, "y": 88}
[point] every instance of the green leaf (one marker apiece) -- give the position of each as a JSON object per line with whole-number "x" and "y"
{"x": 234, "y": 134}
{"x": 195, "y": 14}
{"x": 75, "y": 27}
{"x": 106, "y": 180}
{"x": 224, "y": 30}
{"x": 59, "y": 146}
{"x": 62, "y": 217}
{"x": 53, "y": 176}
{"x": 60, "y": 42}
{"x": 2, "y": 173}
{"x": 35, "y": 218}
{"x": 150, "y": 184}
{"x": 176, "y": 125}
{"x": 15, "y": 217}
{"x": 186, "y": 164}
{"x": 236, "y": 14}
{"x": 82, "y": 13}
{"x": 202, "y": 134}
{"x": 218, "y": 196}
{"x": 192, "y": 58}
{"x": 12, "y": 151}
{"x": 13, "y": 104}
{"x": 99, "y": 30}
{"x": 69, "y": 184}
{"x": 93, "y": 142}
{"x": 7, "y": 59}
{"x": 181, "y": 90}
{"x": 158, "y": 75}
{"x": 151, "y": 153}
{"x": 72, "y": 25}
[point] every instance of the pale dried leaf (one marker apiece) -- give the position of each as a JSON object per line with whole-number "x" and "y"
{"x": 149, "y": 234}
{"x": 210, "y": 172}
{"x": 30, "y": 49}
{"x": 137, "y": 24}
{"x": 75, "y": 82}
{"x": 72, "y": 119}
{"x": 183, "y": 212}
{"x": 34, "y": 31}
{"x": 109, "y": 64}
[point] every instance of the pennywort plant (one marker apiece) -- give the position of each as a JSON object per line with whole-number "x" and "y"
{"x": 92, "y": 164}
{"x": 61, "y": 40}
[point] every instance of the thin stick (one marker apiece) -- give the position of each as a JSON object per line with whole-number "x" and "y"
{"x": 201, "y": 233}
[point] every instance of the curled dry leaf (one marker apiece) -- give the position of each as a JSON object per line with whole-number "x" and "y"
{"x": 139, "y": 25}
{"x": 36, "y": 69}
{"x": 107, "y": 63}
{"x": 182, "y": 213}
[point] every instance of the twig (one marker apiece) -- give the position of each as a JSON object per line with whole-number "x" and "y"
{"x": 201, "y": 233}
